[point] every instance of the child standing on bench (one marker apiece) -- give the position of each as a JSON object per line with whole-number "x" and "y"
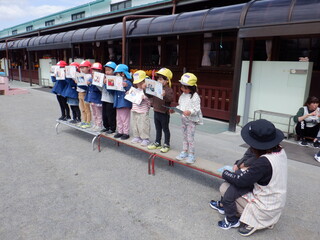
{"x": 72, "y": 96}
{"x": 189, "y": 104}
{"x": 84, "y": 106}
{"x": 122, "y": 105}
{"x": 58, "y": 89}
{"x": 140, "y": 112}
{"x": 161, "y": 113}
{"x": 108, "y": 111}
{"x": 93, "y": 97}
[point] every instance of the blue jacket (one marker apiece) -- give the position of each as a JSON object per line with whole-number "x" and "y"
{"x": 93, "y": 94}
{"x": 58, "y": 86}
{"x": 119, "y": 101}
{"x": 70, "y": 90}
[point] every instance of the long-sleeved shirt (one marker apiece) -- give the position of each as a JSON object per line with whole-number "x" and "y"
{"x": 260, "y": 171}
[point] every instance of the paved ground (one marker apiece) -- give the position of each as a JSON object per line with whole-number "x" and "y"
{"x": 55, "y": 187}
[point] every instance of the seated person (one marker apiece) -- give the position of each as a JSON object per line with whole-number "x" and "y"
{"x": 262, "y": 207}
{"x": 307, "y": 119}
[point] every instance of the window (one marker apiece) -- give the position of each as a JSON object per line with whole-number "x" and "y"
{"x": 171, "y": 51}
{"x": 78, "y": 16}
{"x": 218, "y": 49}
{"x": 120, "y": 5}
{"x": 292, "y": 49}
{"x": 14, "y": 32}
{"x": 150, "y": 52}
{"x": 29, "y": 28}
{"x": 49, "y": 23}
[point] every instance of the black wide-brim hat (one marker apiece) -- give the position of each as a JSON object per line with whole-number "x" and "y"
{"x": 261, "y": 134}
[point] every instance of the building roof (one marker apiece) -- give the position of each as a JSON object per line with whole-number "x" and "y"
{"x": 254, "y": 19}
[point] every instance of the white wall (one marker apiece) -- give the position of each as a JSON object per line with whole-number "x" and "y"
{"x": 275, "y": 88}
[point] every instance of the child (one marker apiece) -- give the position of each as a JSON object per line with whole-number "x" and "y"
{"x": 58, "y": 89}
{"x": 189, "y": 103}
{"x": 161, "y": 113}
{"x": 140, "y": 112}
{"x": 93, "y": 97}
{"x": 84, "y": 106}
{"x": 108, "y": 111}
{"x": 122, "y": 105}
{"x": 230, "y": 194}
{"x": 72, "y": 96}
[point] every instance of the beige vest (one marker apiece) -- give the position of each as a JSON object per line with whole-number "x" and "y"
{"x": 265, "y": 203}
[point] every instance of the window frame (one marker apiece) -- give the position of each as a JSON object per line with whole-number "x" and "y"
{"x": 78, "y": 15}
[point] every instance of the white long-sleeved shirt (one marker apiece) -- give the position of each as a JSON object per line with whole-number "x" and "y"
{"x": 192, "y": 104}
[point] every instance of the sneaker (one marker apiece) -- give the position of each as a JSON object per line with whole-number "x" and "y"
{"x": 61, "y": 118}
{"x": 224, "y": 224}
{"x": 73, "y": 121}
{"x": 317, "y": 157}
{"x": 246, "y": 230}
{"x": 124, "y": 136}
{"x": 316, "y": 144}
{"x": 104, "y": 130}
{"x": 86, "y": 125}
{"x": 182, "y": 156}
{"x": 136, "y": 140}
{"x": 118, "y": 135}
{"x": 191, "y": 159}
{"x": 217, "y": 206}
{"x": 154, "y": 145}
{"x": 303, "y": 143}
{"x": 165, "y": 148}
{"x": 145, "y": 142}
{"x": 110, "y": 131}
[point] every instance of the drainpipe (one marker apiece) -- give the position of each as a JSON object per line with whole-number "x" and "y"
{"x": 124, "y": 32}
{"x": 174, "y": 5}
{"x": 248, "y": 87}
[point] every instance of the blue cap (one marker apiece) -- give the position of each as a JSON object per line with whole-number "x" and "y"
{"x": 111, "y": 65}
{"x": 122, "y": 68}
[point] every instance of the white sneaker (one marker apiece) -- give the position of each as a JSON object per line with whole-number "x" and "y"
{"x": 317, "y": 157}
{"x": 145, "y": 142}
{"x": 191, "y": 159}
{"x": 136, "y": 140}
{"x": 182, "y": 156}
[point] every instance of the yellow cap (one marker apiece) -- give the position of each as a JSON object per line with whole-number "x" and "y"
{"x": 139, "y": 76}
{"x": 188, "y": 79}
{"x": 167, "y": 73}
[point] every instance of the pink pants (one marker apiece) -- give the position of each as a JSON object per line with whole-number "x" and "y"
{"x": 123, "y": 120}
{"x": 97, "y": 114}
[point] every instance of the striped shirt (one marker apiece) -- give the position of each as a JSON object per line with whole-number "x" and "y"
{"x": 143, "y": 107}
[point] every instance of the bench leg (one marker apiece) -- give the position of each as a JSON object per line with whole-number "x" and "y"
{"x": 152, "y": 164}
{"x": 92, "y": 142}
{"x": 99, "y": 142}
{"x": 57, "y": 127}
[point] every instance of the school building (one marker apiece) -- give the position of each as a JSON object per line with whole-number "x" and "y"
{"x": 248, "y": 55}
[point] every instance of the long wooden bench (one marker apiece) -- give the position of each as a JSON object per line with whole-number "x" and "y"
{"x": 87, "y": 130}
{"x": 203, "y": 165}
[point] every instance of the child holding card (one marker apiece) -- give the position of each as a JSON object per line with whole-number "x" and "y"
{"x": 189, "y": 103}
{"x": 108, "y": 111}
{"x": 161, "y": 114}
{"x": 122, "y": 105}
{"x": 93, "y": 97}
{"x": 71, "y": 93}
{"x": 140, "y": 112}
{"x": 58, "y": 89}
{"x": 81, "y": 89}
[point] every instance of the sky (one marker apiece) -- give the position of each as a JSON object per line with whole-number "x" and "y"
{"x": 15, "y": 12}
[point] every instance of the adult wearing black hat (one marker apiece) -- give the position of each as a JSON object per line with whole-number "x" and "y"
{"x": 261, "y": 208}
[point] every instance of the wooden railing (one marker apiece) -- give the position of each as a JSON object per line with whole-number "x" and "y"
{"x": 215, "y": 101}
{"x": 25, "y": 77}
